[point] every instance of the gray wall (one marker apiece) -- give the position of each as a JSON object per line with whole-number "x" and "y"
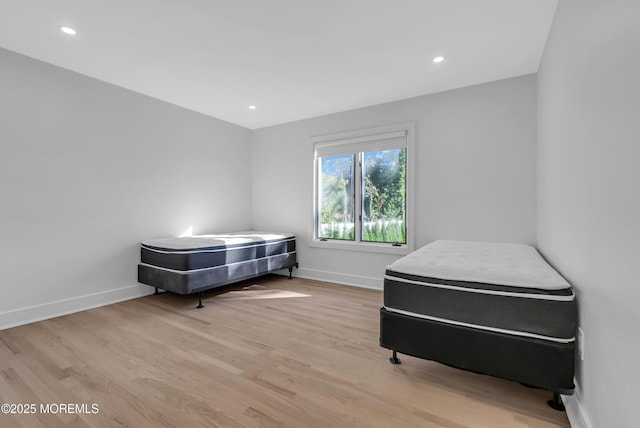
{"x": 475, "y": 178}
{"x": 589, "y": 192}
{"x": 87, "y": 171}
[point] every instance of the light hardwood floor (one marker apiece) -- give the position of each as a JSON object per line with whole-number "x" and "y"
{"x": 269, "y": 352}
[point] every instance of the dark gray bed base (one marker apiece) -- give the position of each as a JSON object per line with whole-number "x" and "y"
{"x": 199, "y": 281}
{"x": 533, "y": 362}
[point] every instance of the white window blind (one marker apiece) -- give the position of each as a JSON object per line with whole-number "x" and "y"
{"x": 365, "y": 143}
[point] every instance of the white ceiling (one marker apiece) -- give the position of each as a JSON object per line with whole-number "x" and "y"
{"x": 293, "y": 59}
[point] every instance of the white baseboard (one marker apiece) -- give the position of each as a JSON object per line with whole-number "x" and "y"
{"x": 340, "y": 278}
{"x": 576, "y": 412}
{"x": 58, "y": 308}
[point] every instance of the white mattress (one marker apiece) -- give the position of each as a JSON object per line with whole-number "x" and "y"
{"x": 221, "y": 241}
{"x": 515, "y": 265}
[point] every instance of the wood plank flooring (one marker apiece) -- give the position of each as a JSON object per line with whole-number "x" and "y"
{"x": 270, "y": 352}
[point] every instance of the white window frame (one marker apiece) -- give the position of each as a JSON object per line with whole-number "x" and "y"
{"x": 372, "y": 134}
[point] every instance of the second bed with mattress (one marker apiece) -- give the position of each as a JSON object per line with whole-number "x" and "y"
{"x": 493, "y": 308}
{"x": 194, "y": 264}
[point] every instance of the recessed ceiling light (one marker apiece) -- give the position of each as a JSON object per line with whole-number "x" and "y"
{"x": 68, "y": 30}
{"x": 252, "y": 107}
{"x": 438, "y": 59}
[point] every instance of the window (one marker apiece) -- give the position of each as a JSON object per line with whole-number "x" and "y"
{"x": 362, "y": 183}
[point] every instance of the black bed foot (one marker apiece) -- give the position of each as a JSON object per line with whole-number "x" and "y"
{"x": 157, "y": 292}
{"x": 556, "y": 402}
{"x": 200, "y": 305}
{"x": 394, "y": 358}
{"x": 291, "y": 270}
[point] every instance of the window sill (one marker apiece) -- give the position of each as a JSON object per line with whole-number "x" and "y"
{"x": 367, "y": 247}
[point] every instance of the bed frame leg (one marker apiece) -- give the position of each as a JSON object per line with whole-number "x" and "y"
{"x": 556, "y": 403}
{"x": 157, "y": 292}
{"x": 291, "y": 270}
{"x": 200, "y": 305}
{"x": 394, "y": 358}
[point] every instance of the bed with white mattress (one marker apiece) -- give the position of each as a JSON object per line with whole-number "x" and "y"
{"x": 194, "y": 264}
{"x": 493, "y": 308}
